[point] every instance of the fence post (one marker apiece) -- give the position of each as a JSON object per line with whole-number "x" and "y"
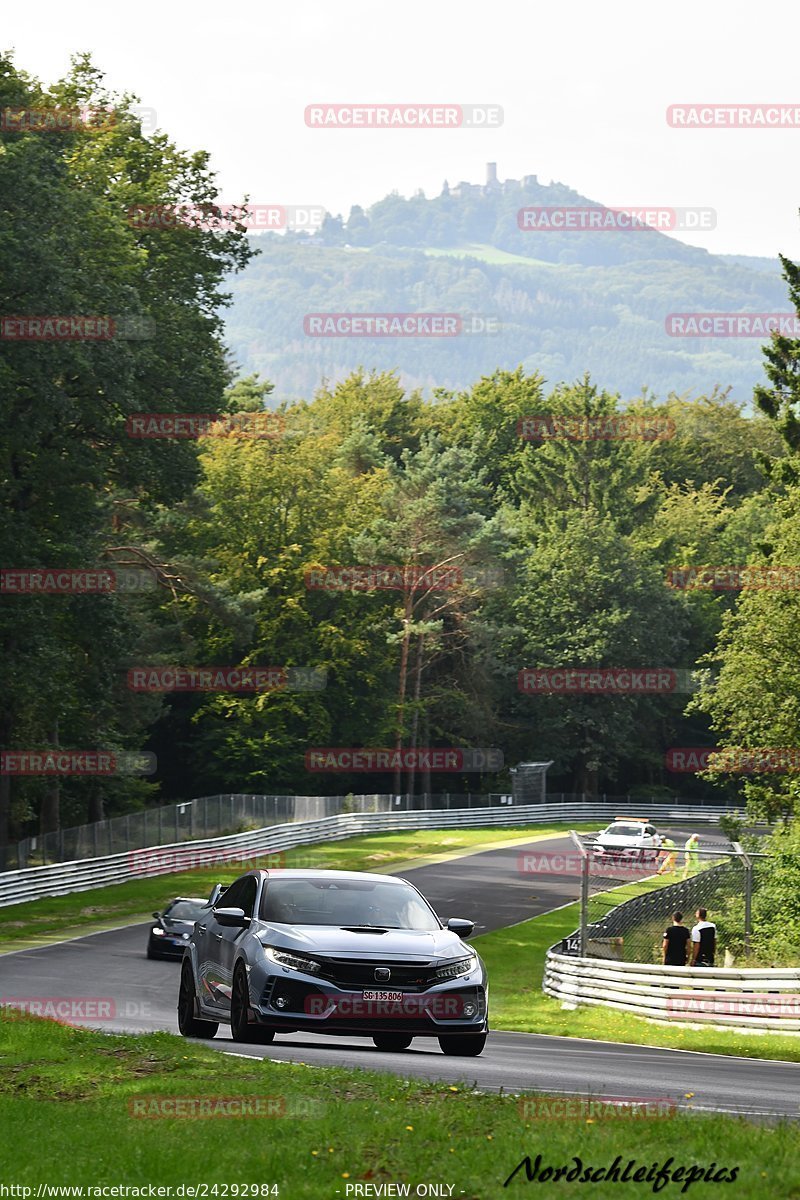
{"x": 584, "y": 898}
{"x": 748, "y": 894}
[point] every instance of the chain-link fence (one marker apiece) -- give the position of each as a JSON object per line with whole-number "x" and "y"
{"x": 212, "y": 816}
{"x": 628, "y": 896}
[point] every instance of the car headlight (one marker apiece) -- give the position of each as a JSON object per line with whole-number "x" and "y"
{"x": 297, "y": 962}
{"x": 158, "y": 931}
{"x": 461, "y": 966}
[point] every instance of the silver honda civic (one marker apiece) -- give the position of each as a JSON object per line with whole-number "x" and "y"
{"x": 336, "y": 952}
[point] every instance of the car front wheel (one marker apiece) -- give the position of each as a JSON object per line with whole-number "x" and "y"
{"x": 462, "y": 1045}
{"x": 241, "y": 1029}
{"x": 188, "y": 1023}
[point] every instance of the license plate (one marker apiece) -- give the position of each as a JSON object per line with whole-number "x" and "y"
{"x": 381, "y": 995}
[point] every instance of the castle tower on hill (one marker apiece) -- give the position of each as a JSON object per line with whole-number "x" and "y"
{"x": 492, "y": 184}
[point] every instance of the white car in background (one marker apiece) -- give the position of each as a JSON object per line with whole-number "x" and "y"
{"x": 628, "y": 837}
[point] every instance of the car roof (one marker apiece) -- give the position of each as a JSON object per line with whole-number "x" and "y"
{"x": 322, "y": 873}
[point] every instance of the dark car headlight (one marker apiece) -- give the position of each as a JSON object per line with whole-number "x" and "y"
{"x": 462, "y": 966}
{"x": 296, "y": 962}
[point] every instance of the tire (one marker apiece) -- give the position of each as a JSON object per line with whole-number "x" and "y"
{"x": 188, "y": 1023}
{"x": 392, "y": 1041}
{"x": 243, "y": 1030}
{"x": 150, "y": 953}
{"x": 462, "y": 1045}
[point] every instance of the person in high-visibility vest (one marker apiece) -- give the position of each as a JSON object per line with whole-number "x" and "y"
{"x": 691, "y": 859}
{"x": 668, "y": 856}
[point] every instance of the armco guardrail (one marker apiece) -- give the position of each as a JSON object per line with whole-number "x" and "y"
{"x": 765, "y": 998}
{"x": 59, "y": 879}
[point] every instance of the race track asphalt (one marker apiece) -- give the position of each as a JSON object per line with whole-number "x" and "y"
{"x": 140, "y": 996}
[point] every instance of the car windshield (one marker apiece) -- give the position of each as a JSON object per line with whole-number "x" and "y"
{"x": 351, "y": 903}
{"x": 184, "y": 910}
{"x": 629, "y": 831}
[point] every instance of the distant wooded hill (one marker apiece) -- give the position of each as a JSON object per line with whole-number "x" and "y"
{"x": 566, "y": 302}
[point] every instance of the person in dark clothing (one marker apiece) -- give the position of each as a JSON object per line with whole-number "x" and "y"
{"x": 676, "y": 940}
{"x": 704, "y": 940}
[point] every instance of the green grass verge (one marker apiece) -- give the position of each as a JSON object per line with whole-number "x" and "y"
{"x": 40, "y": 921}
{"x": 69, "y": 1099}
{"x": 515, "y": 961}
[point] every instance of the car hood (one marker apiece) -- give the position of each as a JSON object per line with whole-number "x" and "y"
{"x": 335, "y": 942}
{"x": 617, "y": 839}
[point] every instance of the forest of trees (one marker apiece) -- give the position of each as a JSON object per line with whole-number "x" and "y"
{"x": 564, "y": 546}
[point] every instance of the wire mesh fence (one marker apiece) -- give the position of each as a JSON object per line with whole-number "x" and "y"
{"x": 628, "y": 898}
{"x": 211, "y": 816}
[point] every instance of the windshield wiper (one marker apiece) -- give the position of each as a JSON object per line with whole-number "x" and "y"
{"x": 369, "y": 928}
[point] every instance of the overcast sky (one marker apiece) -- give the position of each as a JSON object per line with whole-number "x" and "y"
{"x": 584, "y": 88}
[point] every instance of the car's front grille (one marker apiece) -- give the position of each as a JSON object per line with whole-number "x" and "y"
{"x": 360, "y": 973}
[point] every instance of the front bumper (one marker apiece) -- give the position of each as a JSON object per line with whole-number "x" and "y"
{"x": 168, "y": 946}
{"x": 297, "y": 1002}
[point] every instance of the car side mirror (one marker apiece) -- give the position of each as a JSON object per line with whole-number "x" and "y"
{"x": 231, "y": 918}
{"x": 157, "y": 916}
{"x": 460, "y": 926}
